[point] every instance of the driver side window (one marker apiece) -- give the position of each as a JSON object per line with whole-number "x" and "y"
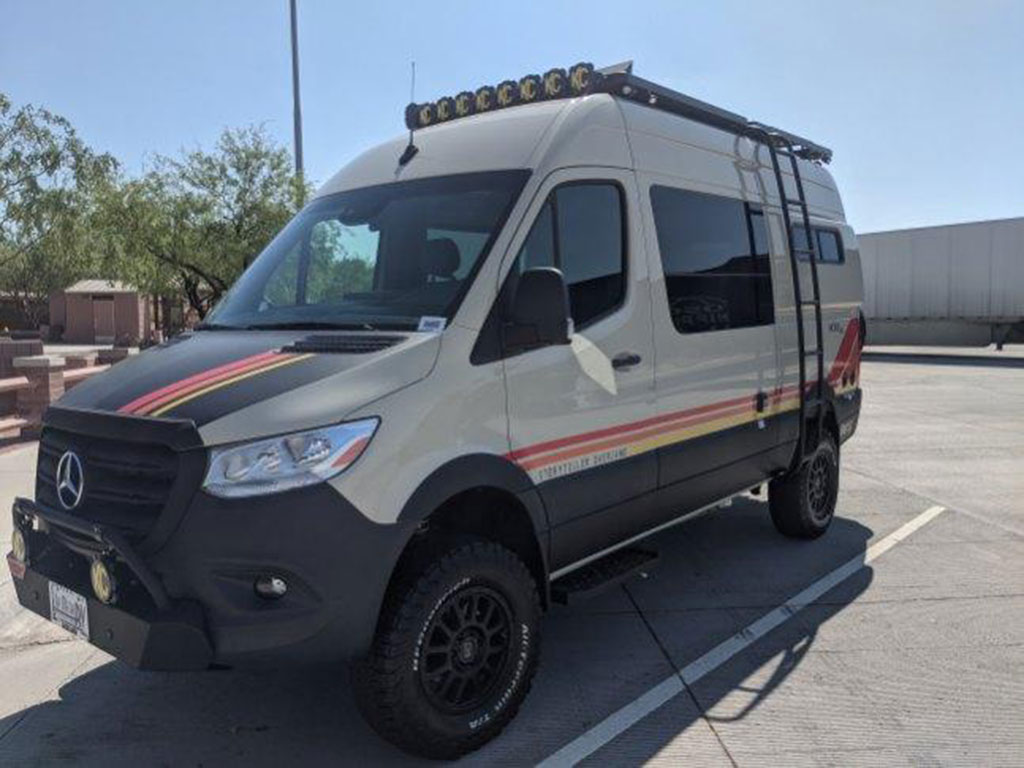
{"x": 580, "y": 230}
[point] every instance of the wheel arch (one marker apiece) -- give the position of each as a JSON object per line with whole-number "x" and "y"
{"x": 480, "y": 495}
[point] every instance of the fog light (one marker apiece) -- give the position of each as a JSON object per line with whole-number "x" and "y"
{"x": 19, "y": 547}
{"x": 103, "y": 584}
{"x": 270, "y": 587}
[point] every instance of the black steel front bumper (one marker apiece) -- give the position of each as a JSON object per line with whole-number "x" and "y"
{"x": 172, "y": 640}
{"x": 160, "y": 634}
{"x": 192, "y": 603}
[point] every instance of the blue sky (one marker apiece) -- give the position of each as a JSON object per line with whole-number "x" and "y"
{"x": 922, "y": 101}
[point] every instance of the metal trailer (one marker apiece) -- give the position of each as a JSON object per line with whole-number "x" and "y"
{"x": 960, "y": 284}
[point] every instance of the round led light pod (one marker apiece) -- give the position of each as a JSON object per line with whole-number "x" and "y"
{"x": 102, "y": 579}
{"x": 484, "y": 98}
{"x": 445, "y": 109}
{"x": 19, "y": 547}
{"x": 464, "y": 104}
{"x": 556, "y": 84}
{"x": 580, "y": 77}
{"x": 507, "y": 93}
{"x": 426, "y": 115}
{"x": 529, "y": 88}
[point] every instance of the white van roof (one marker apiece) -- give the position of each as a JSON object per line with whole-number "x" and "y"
{"x": 584, "y": 131}
{"x": 592, "y": 130}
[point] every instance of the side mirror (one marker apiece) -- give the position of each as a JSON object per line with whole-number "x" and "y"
{"x": 539, "y": 314}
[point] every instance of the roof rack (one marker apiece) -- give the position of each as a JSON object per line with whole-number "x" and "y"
{"x": 619, "y": 80}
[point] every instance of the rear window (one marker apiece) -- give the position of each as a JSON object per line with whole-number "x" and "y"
{"x": 828, "y": 241}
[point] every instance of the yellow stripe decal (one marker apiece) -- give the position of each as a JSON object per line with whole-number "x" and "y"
{"x": 226, "y": 382}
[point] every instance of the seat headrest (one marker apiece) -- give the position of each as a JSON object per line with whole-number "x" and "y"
{"x": 441, "y": 257}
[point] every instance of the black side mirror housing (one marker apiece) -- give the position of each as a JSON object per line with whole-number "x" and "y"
{"x": 539, "y": 312}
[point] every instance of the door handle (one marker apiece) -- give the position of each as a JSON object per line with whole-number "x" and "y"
{"x": 626, "y": 360}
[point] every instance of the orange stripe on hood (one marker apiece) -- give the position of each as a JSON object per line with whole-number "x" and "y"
{"x": 152, "y": 400}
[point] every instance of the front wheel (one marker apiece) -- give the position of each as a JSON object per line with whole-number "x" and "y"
{"x": 455, "y": 652}
{"x": 803, "y": 502}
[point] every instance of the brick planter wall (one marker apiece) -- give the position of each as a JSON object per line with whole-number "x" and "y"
{"x": 46, "y": 375}
{"x": 10, "y": 349}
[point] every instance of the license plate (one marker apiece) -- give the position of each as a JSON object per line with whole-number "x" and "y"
{"x": 69, "y": 610}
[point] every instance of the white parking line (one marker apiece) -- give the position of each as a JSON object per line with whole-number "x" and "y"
{"x": 626, "y": 717}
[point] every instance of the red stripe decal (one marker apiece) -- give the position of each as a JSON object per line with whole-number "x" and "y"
{"x": 711, "y": 409}
{"x": 149, "y": 401}
{"x": 846, "y": 350}
{"x": 596, "y": 434}
{"x": 582, "y": 450}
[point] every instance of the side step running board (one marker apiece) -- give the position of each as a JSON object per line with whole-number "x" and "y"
{"x": 595, "y": 577}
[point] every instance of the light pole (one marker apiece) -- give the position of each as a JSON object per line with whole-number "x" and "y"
{"x": 298, "y": 104}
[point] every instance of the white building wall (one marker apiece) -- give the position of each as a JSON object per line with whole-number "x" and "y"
{"x": 961, "y": 283}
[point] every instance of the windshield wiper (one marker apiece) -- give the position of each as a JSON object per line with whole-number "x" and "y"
{"x": 217, "y": 327}
{"x": 313, "y": 325}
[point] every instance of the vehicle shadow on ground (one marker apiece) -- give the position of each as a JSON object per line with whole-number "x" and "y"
{"x": 718, "y": 573}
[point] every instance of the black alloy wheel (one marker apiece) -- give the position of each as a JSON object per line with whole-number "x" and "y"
{"x": 456, "y": 649}
{"x": 802, "y": 503}
{"x": 466, "y": 649}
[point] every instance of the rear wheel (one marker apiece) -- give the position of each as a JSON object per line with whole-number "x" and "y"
{"x": 455, "y": 652}
{"x": 803, "y": 503}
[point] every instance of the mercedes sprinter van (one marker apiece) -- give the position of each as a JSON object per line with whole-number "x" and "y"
{"x": 486, "y": 360}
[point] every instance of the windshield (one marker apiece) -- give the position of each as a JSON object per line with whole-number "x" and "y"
{"x": 377, "y": 257}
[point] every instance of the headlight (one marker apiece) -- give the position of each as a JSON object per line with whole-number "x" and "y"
{"x": 289, "y": 461}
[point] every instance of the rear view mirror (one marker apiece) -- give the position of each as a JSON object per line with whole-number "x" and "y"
{"x": 539, "y": 313}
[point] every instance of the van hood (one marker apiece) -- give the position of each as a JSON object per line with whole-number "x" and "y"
{"x": 238, "y": 385}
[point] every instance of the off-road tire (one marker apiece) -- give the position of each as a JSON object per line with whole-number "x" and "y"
{"x": 396, "y": 688}
{"x": 803, "y": 502}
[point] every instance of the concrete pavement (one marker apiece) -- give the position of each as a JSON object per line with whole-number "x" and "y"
{"x": 916, "y": 658}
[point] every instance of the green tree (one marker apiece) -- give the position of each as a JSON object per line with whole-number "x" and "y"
{"x": 194, "y": 223}
{"x": 49, "y": 184}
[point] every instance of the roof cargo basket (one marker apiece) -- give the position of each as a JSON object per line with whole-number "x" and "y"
{"x": 619, "y": 80}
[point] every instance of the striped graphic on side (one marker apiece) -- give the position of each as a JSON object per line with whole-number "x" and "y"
{"x": 553, "y": 458}
{"x": 631, "y": 439}
{"x": 166, "y": 398}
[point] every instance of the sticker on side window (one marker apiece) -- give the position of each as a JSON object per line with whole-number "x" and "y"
{"x": 429, "y": 324}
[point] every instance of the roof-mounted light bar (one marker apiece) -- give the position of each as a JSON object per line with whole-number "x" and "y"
{"x": 617, "y": 80}
{"x": 556, "y": 83}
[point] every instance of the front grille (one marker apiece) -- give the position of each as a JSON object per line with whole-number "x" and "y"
{"x": 126, "y": 484}
{"x": 343, "y": 344}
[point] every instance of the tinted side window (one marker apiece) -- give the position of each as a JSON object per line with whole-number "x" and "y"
{"x": 580, "y": 231}
{"x": 539, "y": 248}
{"x": 830, "y": 244}
{"x": 589, "y": 227}
{"x": 830, "y": 249}
{"x": 714, "y": 252}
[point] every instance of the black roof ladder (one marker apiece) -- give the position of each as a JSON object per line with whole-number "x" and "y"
{"x": 812, "y": 391}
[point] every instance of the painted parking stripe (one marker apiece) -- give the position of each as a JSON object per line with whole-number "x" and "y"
{"x": 626, "y": 717}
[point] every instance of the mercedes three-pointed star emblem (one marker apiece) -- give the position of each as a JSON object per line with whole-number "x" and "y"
{"x": 70, "y": 480}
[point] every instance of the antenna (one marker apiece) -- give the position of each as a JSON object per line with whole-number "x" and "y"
{"x": 411, "y": 149}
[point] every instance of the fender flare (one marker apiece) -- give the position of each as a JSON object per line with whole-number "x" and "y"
{"x": 474, "y": 471}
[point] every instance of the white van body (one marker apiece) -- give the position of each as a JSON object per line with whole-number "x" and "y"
{"x": 460, "y": 466}
{"x": 501, "y": 407}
